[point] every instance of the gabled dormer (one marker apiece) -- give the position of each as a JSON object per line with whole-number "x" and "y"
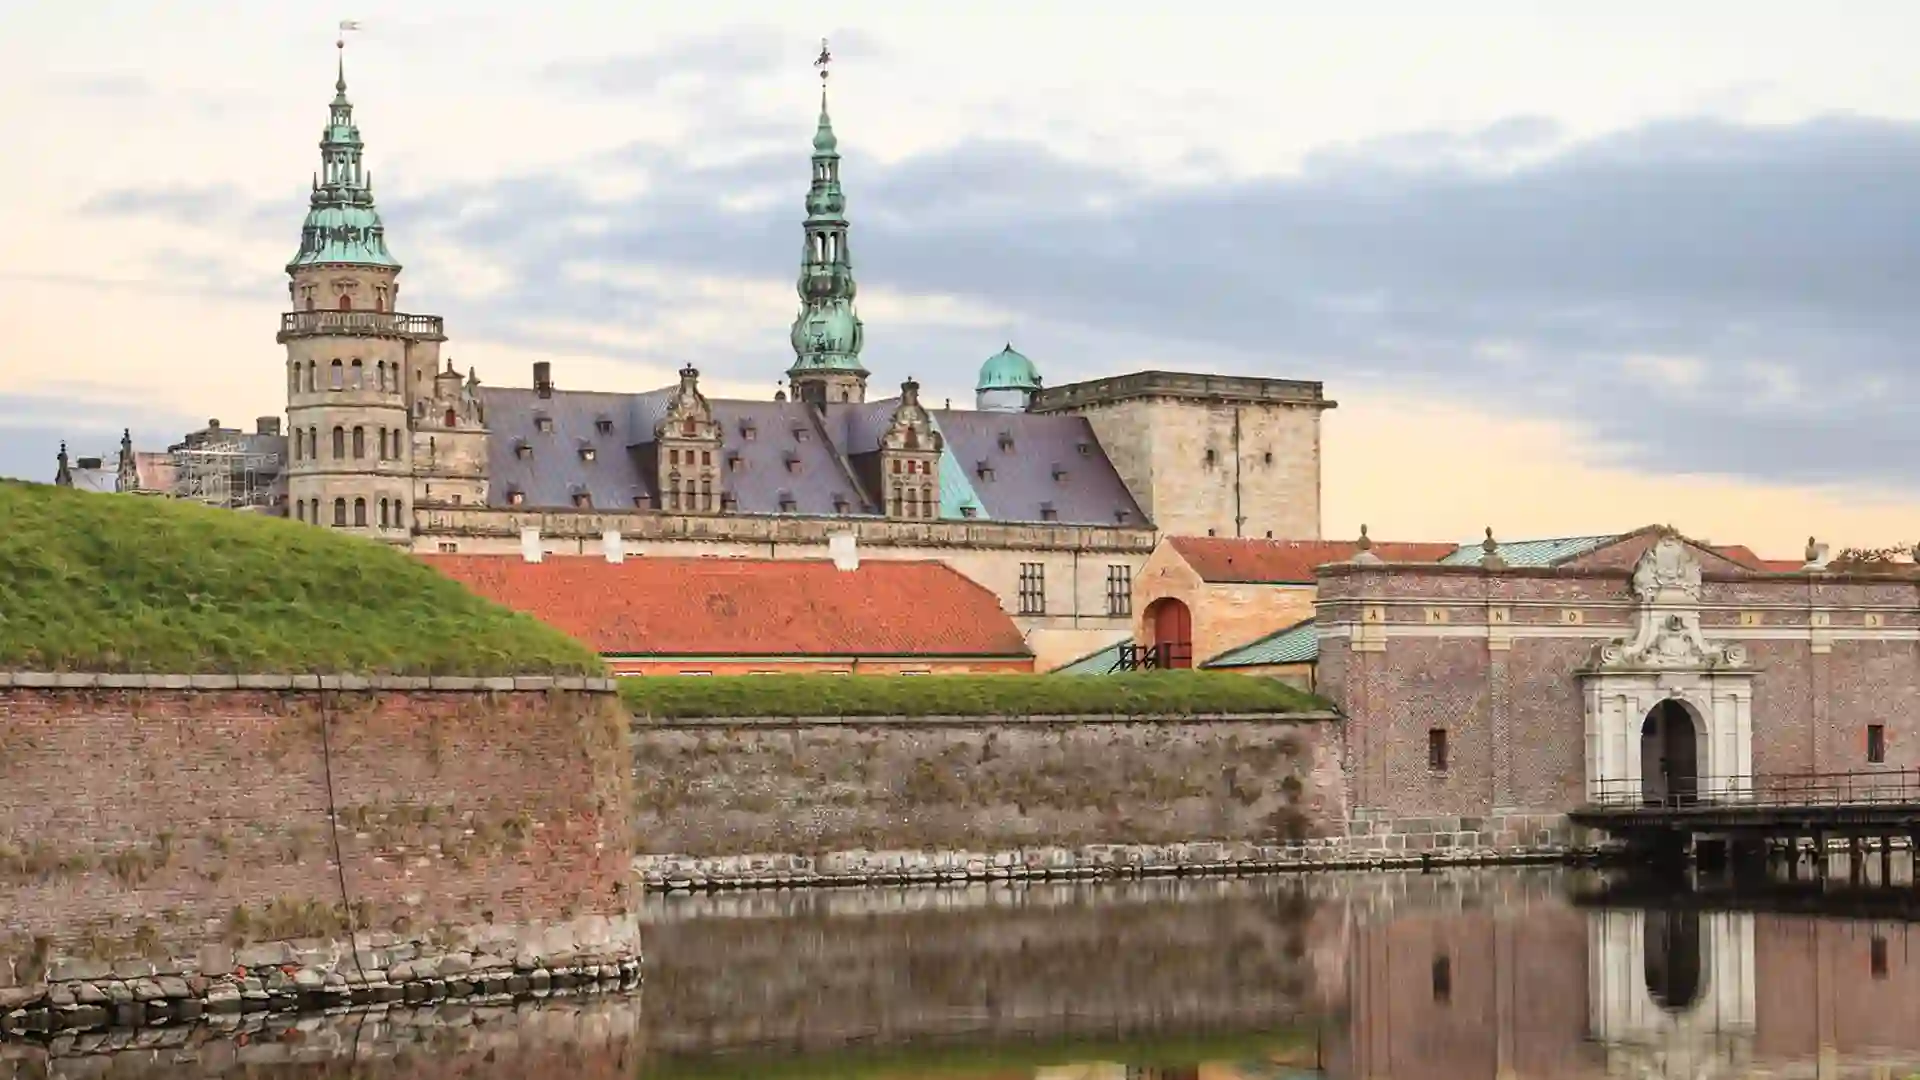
{"x": 910, "y": 460}
{"x": 688, "y": 439}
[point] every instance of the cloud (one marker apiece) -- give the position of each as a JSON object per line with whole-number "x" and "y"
{"x": 1696, "y": 296}
{"x": 32, "y": 427}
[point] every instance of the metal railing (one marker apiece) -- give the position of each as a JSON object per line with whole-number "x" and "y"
{"x": 1761, "y": 791}
{"x": 299, "y": 323}
{"x": 1172, "y": 654}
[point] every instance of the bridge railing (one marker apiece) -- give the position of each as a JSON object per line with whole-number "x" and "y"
{"x": 1785, "y": 790}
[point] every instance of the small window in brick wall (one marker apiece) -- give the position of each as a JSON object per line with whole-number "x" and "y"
{"x": 1437, "y": 749}
{"x": 1443, "y": 979}
{"x": 1877, "y": 957}
{"x": 1876, "y": 744}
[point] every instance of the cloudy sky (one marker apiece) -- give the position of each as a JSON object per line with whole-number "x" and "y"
{"x": 1563, "y": 274}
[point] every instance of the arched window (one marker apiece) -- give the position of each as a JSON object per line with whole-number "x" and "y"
{"x": 293, "y": 377}
{"x": 346, "y": 302}
{"x": 453, "y": 419}
{"x": 382, "y": 366}
{"x": 359, "y": 443}
{"x": 337, "y": 379}
{"x": 360, "y": 512}
{"x": 310, "y": 370}
{"x": 358, "y": 375}
{"x": 340, "y": 511}
{"x": 383, "y": 513}
{"x": 706, "y": 494}
{"x": 339, "y": 443}
{"x": 313, "y": 451}
{"x": 300, "y": 510}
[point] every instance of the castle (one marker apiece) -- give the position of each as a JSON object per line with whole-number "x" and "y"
{"x": 1052, "y": 497}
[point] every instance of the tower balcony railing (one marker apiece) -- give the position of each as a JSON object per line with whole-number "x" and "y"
{"x": 297, "y": 324}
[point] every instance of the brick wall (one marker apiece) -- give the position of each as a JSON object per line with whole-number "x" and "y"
{"x": 826, "y": 666}
{"x": 1406, "y": 649}
{"x": 169, "y": 822}
{"x": 812, "y": 787}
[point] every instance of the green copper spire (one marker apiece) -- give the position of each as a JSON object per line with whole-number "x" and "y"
{"x": 342, "y": 226}
{"x": 826, "y": 334}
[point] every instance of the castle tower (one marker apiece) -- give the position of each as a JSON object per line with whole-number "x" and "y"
{"x": 355, "y": 364}
{"x": 686, "y": 445}
{"x": 826, "y": 334}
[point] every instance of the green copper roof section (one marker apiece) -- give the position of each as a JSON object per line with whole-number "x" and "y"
{"x": 1008, "y": 370}
{"x": 1529, "y": 552}
{"x": 827, "y": 334}
{"x": 1297, "y": 644}
{"x": 956, "y": 487}
{"x": 342, "y": 226}
{"x": 1099, "y": 662}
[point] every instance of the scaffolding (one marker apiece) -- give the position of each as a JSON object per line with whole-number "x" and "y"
{"x": 227, "y": 473}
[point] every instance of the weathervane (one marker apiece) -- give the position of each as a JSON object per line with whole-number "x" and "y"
{"x": 345, "y": 25}
{"x": 825, "y": 59}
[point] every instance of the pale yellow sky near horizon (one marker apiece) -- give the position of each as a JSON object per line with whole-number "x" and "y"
{"x": 95, "y": 327}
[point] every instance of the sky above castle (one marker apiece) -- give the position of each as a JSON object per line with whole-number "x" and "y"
{"x": 1564, "y": 274}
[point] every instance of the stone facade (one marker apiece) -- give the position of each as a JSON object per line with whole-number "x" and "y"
{"x": 1209, "y": 455}
{"x": 262, "y": 843}
{"x": 1484, "y": 691}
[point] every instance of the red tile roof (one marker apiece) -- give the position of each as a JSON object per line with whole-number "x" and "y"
{"x": 660, "y": 606}
{"x": 1223, "y": 559}
{"x": 1745, "y": 556}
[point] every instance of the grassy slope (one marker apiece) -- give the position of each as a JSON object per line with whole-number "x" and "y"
{"x": 121, "y": 583}
{"x": 1165, "y": 692}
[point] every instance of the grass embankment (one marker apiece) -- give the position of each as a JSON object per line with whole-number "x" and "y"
{"x": 120, "y": 583}
{"x": 1138, "y": 693}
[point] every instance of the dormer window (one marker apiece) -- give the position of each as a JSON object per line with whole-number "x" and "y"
{"x": 1006, "y": 442}
{"x": 587, "y": 452}
{"x": 800, "y": 434}
{"x": 603, "y": 425}
{"x": 839, "y": 503}
{"x": 1120, "y": 518}
{"x": 521, "y": 449}
{"x": 748, "y": 430}
{"x": 543, "y": 423}
{"x": 983, "y": 470}
{"x": 969, "y": 511}
{"x": 1048, "y": 513}
{"x": 643, "y": 501}
{"x": 516, "y": 497}
{"x": 733, "y": 462}
{"x": 793, "y": 461}
{"x": 1085, "y": 448}
{"x": 583, "y": 499}
{"x": 787, "y": 503}
{"x": 1059, "y": 473}
{"x": 728, "y": 502}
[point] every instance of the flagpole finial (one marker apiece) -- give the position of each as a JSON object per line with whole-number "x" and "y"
{"x": 825, "y": 59}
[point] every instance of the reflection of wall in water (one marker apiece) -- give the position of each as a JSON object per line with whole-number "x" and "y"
{"x": 1465, "y": 995}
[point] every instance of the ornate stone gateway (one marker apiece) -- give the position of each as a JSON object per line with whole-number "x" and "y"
{"x": 1669, "y": 712}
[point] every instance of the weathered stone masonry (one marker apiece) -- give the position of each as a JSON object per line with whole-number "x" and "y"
{"x": 166, "y": 843}
{"x": 832, "y": 800}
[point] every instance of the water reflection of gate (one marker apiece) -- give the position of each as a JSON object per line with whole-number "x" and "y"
{"x": 1671, "y": 993}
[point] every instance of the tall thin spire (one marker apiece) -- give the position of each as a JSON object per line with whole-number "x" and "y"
{"x": 827, "y": 334}
{"x": 342, "y": 225}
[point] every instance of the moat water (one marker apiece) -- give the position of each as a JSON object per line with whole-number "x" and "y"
{"x": 1546, "y": 974}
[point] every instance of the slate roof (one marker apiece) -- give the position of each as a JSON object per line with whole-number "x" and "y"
{"x": 1297, "y": 644}
{"x": 1222, "y": 559}
{"x": 822, "y": 445}
{"x": 1531, "y": 552}
{"x": 670, "y": 606}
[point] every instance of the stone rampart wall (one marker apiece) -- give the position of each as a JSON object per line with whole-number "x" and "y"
{"x": 167, "y": 843}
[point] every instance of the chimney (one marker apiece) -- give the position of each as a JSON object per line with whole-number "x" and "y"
{"x": 615, "y": 548}
{"x": 267, "y": 425}
{"x": 542, "y": 379}
{"x": 842, "y": 548}
{"x": 530, "y": 543}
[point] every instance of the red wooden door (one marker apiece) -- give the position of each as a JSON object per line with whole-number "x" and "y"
{"x": 1173, "y": 633}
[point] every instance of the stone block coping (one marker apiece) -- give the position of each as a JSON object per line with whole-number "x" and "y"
{"x": 644, "y": 720}
{"x": 87, "y": 680}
